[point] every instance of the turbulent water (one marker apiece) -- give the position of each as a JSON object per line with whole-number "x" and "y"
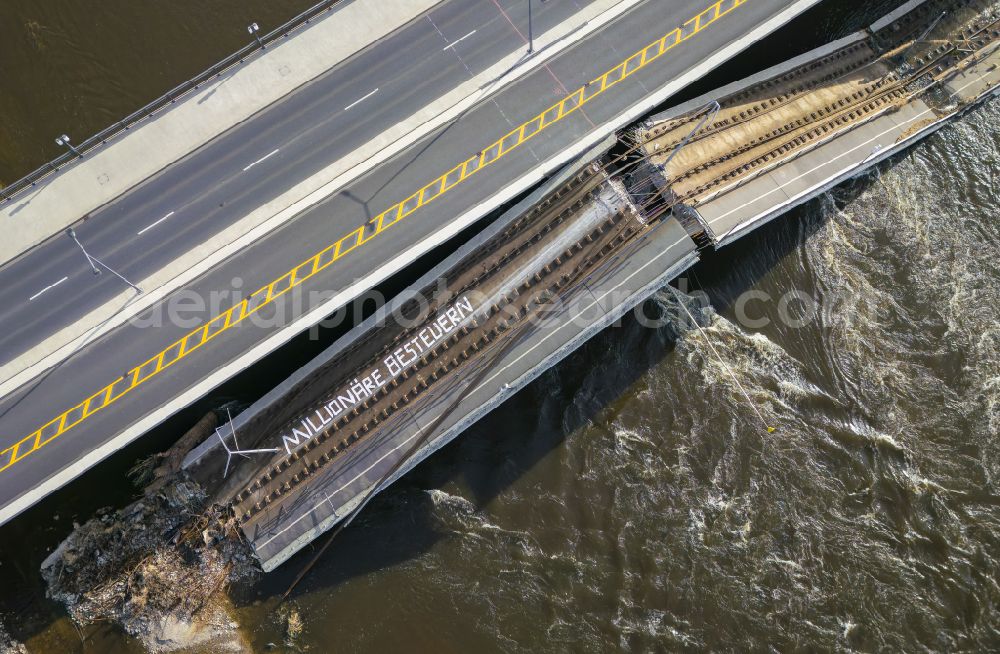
{"x": 633, "y": 497}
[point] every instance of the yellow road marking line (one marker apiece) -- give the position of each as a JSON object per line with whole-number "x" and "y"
{"x": 193, "y": 340}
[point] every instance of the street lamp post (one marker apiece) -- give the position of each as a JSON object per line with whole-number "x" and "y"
{"x": 253, "y": 28}
{"x": 94, "y": 260}
{"x": 531, "y": 34}
{"x": 64, "y": 140}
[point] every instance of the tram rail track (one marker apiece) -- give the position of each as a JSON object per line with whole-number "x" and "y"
{"x": 495, "y": 321}
{"x": 465, "y": 349}
{"x": 726, "y": 164}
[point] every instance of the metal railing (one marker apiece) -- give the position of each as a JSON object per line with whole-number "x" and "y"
{"x": 9, "y": 192}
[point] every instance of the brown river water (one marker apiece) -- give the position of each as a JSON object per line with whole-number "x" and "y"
{"x": 631, "y": 499}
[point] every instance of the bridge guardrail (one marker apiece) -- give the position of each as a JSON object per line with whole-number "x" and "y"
{"x": 283, "y": 31}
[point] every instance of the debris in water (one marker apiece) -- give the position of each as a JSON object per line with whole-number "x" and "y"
{"x": 159, "y": 568}
{"x": 294, "y": 625}
{"x": 8, "y": 645}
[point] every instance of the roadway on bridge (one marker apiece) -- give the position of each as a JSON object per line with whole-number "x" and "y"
{"x": 191, "y": 201}
{"x": 104, "y": 361}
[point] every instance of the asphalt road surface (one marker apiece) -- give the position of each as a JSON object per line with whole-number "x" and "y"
{"x": 199, "y": 196}
{"x": 129, "y": 345}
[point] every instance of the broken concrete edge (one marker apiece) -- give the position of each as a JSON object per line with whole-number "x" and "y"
{"x": 379, "y": 317}
{"x": 158, "y": 568}
{"x": 7, "y": 643}
{"x": 194, "y": 434}
{"x": 735, "y": 87}
{"x": 249, "y": 88}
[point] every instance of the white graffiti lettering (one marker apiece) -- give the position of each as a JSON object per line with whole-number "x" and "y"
{"x": 393, "y": 365}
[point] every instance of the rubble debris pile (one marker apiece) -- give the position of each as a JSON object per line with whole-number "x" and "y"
{"x": 8, "y": 645}
{"x": 158, "y": 568}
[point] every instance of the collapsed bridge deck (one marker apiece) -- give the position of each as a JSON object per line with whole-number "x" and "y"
{"x": 578, "y": 253}
{"x": 488, "y": 320}
{"x": 780, "y": 137}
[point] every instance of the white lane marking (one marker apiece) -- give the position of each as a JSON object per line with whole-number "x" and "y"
{"x": 47, "y": 288}
{"x": 456, "y": 42}
{"x": 152, "y": 225}
{"x": 266, "y": 156}
{"x": 360, "y": 100}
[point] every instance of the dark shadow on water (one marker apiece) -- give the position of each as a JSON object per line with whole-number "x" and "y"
{"x": 397, "y": 526}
